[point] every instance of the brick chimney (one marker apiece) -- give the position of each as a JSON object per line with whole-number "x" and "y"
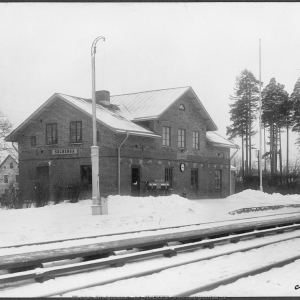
{"x": 103, "y": 97}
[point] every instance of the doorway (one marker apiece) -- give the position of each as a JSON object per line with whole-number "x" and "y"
{"x": 135, "y": 181}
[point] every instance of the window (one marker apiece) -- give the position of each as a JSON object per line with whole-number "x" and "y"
{"x": 194, "y": 179}
{"x": 181, "y": 138}
{"x": 4, "y": 167}
{"x": 17, "y": 178}
{"x": 196, "y": 140}
{"x": 181, "y": 107}
{"x": 167, "y": 136}
{"x": 76, "y": 132}
{"x": 11, "y": 165}
{"x": 169, "y": 176}
{"x": 5, "y": 178}
{"x": 51, "y": 134}
{"x": 33, "y": 141}
{"x": 98, "y": 136}
{"x": 218, "y": 179}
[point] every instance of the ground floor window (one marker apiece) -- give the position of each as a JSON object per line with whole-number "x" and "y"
{"x": 169, "y": 176}
{"x": 5, "y": 178}
{"x": 218, "y": 179}
{"x": 194, "y": 179}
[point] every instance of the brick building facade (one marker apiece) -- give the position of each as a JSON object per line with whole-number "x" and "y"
{"x": 9, "y": 174}
{"x": 165, "y": 135}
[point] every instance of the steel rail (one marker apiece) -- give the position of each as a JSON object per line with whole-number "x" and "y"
{"x": 150, "y": 271}
{"x": 41, "y": 275}
{"x": 233, "y": 278}
{"x": 35, "y": 259}
{"x": 137, "y": 231}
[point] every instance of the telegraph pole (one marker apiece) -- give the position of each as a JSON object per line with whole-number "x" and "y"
{"x": 260, "y": 137}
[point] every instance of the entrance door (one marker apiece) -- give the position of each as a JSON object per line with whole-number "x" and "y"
{"x": 135, "y": 181}
{"x": 42, "y": 184}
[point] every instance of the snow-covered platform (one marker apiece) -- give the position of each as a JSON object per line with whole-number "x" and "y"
{"x": 126, "y": 214}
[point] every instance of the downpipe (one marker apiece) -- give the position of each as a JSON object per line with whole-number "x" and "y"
{"x": 237, "y": 149}
{"x": 119, "y": 166}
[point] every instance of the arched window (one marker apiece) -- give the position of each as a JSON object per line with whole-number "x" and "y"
{"x": 181, "y": 107}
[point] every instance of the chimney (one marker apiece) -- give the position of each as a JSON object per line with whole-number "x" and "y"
{"x": 103, "y": 97}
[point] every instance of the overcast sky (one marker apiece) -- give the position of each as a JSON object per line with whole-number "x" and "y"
{"x": 45, "y": 48}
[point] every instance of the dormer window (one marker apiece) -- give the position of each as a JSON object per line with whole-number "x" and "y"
{"x": 181, "y": 107}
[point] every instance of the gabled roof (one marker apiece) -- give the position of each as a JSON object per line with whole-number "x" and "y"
{"x": 125, "y": 110}
{"x": 219, "y": 141}
{"x": 6, "y": 158}
{"x": 152, "y": 104}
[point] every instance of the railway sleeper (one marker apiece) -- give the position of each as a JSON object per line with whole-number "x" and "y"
{"x": 209, "y": 246}
{"x": 44, "y": 278}
{"x": 98, "y": 256}
{"x": 25, "y": 268}
{"x": 151, "y": 247}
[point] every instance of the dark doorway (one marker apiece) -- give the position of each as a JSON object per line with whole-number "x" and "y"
{"x": 86, "y": 176}
{"x": 135, "y": 181}
{"x": 42, "y": 184}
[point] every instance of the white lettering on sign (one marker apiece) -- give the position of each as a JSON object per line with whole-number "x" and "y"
{"x": 64, "y": 151}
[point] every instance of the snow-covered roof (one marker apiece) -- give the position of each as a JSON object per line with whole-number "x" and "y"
{"x": 109, "y": 116}
{"x": 218, "y": 140}
{"x": 6, "y": 158}
{"x": 125, "y": 110}
{"x": 152, "y": 104}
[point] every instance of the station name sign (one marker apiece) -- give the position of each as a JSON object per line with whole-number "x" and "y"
{"x": 64, "y": 151}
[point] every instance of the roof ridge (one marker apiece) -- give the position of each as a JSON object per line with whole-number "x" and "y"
{"x": 152, "y": 91}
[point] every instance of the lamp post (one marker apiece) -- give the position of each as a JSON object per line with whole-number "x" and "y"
{"x": 96, "y": 207}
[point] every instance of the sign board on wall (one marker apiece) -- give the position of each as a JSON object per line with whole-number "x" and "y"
{"x": 64, "y": 151}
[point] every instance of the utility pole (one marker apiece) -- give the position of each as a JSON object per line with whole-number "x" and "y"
{"x": 260, "y": 139}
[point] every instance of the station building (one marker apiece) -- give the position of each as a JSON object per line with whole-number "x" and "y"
{"x": 154, "y": 136}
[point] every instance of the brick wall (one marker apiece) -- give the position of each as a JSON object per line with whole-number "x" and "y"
{"x": 148, "y": 153}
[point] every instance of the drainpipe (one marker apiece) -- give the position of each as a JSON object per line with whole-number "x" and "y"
{"x": 237, "y": 149}
{"x": 15, "y": 147}
{"x": 119, "y": 167}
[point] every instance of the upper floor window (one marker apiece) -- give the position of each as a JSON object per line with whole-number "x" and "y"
{"x": 181, "y": 107}
{"x": 98, "y": 136}
{"x": 5, "y": 178}
{"x": 181, "y": 138}
{"x": 11, "y": 165}
{"x": 33, "y": 141}
{"x": 218, "y": 179}
{"x": 4, "y": 167}
{"x": 76, "y": 132}
{"x": 167, "y": 136}
{"x": 194, "y": 179}
{"x": 196, "y": 140}
{"x": 51, "y": 134}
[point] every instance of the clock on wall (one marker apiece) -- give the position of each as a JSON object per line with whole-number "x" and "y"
{"x": 182, "y": 167}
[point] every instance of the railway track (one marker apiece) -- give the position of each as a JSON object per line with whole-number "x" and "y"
{"x": 148, "y": 248}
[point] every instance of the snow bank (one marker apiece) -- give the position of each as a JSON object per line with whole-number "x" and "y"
{"x": 258, "y": 198}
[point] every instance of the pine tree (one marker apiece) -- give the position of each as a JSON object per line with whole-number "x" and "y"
{"x": 295, "y": 99}
{"x": 243, "y": 113}
{"x": 274, "y": 99}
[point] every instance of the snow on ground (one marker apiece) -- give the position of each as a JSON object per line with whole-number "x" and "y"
{"x": 126, "y": 214}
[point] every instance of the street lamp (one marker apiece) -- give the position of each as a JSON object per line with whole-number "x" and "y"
{"x": 96, "y": 207}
